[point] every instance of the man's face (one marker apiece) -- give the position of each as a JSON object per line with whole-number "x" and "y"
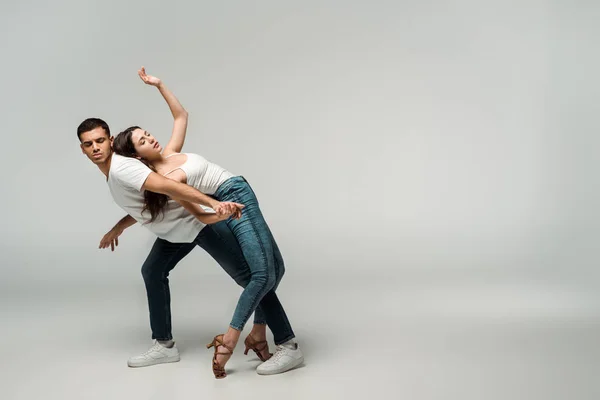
{"x": 96, "y": 145}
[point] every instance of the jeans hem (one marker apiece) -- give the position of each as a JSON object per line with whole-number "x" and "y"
{"x": 288, "y": 338}
{"x": 237, "y": 327}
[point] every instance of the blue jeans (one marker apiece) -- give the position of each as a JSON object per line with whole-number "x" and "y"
{"x": 218, "y": 241}
{"x": 262, "y": 255}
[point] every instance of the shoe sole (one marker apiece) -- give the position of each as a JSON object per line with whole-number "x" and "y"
{"x": 154, "y": 362}
{"x": 288, "y": 367}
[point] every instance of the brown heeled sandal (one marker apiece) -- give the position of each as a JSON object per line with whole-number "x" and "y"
{"x": 218, "y": 370}
{"x": 252, "y": 344}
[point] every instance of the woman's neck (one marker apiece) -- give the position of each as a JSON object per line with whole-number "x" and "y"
{"x": 157, "y": 162}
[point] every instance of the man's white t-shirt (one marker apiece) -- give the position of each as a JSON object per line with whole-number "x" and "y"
{"x": 125, "y": 180}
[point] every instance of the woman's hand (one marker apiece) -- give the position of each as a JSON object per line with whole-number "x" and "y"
{"x": 236, "y": 214}
{"x": 180, "y": 115}
{"x": 213, "y": 218}
{"x": 228, "y": 208}
{"x": 148, "y": 79}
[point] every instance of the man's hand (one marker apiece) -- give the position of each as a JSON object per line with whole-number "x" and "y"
{"x": 111, "y": 239}
{"x": 148, "y": 79}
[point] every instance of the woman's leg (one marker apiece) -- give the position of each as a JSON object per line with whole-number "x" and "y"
{"x": 219, "y": 241}
{"x": 255, "y": 240}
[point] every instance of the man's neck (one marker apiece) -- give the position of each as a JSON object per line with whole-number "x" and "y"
{"x": 105, "y": 167}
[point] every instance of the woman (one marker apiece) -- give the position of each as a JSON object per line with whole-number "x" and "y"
{"x": 252, "y": 232}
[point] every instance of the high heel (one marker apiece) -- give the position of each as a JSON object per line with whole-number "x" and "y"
{"x": 218, "y": 370}
{"x": 252, "y": 344}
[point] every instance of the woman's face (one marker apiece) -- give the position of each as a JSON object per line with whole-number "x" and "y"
{"x": 146, "y": 146}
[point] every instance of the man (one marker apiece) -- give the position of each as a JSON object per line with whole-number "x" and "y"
{"x": 179, "y": 231}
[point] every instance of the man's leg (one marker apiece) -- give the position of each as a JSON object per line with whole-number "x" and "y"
{"x": 277, "y": 317}
{"x": 163, "y": 257}
{"x": 288, "y": 355}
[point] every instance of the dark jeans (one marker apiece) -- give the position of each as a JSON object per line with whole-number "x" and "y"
{"x": 218, "y": 241}
{"x": 262, "y": 256}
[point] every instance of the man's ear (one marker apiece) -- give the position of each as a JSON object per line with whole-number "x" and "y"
{"x": 81, "y": 146}
{"x": 112, "y": 139}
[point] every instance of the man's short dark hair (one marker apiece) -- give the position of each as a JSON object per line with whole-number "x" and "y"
{"x": 90, "y": 124}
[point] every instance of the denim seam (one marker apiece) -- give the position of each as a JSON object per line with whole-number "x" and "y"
{"x": 255, "y": 300}
{"x": 226, "y": 243}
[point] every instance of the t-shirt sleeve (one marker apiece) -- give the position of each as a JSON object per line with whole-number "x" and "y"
{"x": 132, "y": 173}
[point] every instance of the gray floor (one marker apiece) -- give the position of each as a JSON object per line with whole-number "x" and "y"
{"x": 410, "y": 334}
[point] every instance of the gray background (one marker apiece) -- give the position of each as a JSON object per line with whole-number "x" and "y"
{"x": 427, "y": 168}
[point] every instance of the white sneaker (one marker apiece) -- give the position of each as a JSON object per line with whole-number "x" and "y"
{"x": 156, "y": 354}
{"x": 283, "y": 360}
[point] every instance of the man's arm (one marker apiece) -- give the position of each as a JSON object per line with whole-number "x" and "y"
{"x": 112, "y": 237}
{"x": 180, "y": 191}
{"x": 125, "y": 222}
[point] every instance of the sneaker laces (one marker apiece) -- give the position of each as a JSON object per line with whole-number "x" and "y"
{"x": 152, "y": 349}
{"x": 279, "y": 352}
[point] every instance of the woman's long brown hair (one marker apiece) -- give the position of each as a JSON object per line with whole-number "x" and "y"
{"x": 153, "y": 202}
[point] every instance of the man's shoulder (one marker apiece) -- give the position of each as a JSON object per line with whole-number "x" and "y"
{"x": 128, "y": 172}
{"x": 121, "y": 164}
{"x": 120, "y": 160}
